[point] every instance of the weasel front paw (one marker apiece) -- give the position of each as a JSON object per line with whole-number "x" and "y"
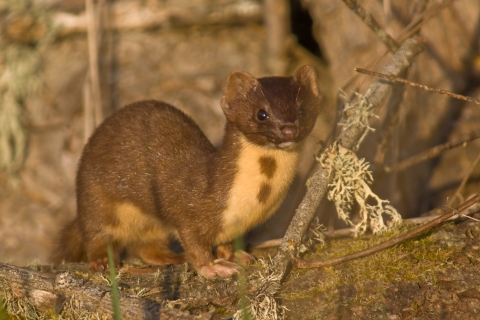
{"x": 221, "y": 268}
{"x": 99, "y": 265}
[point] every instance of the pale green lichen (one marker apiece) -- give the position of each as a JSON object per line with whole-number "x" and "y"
{"x": 20, "y": 70}
{"x": 263, "y": 305}
{"x": 317, "y": 236}
{"x": 357, "y": 114}
{"x": 350, "y": 180}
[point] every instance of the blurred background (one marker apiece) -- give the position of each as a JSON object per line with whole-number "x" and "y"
{"x": 67, "y": 65}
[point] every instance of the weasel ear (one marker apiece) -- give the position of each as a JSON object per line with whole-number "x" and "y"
{"x": 238, "y": 86}
{"x": 307, "y": 77}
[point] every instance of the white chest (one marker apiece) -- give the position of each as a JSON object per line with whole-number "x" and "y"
{"x": 259, "y": 187}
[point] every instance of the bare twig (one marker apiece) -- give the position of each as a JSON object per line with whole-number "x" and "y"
{"x": 300, "y": 263}
{"x": 433, "y": 152}
{"x": 370, "y": 21}
{"x": 410, "y": 30}
{"x": 418, "y": 85}
{"x": 348, "y": 139}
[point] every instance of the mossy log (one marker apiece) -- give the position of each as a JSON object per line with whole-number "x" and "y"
{"x": 145, "y": 293}
{"x": 434, "y": 276}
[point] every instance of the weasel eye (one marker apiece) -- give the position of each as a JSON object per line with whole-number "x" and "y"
{"x": 262, "y": 115}
{"x": 301, "y": 111}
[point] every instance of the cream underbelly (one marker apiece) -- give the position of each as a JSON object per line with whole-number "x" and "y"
{"x": 136, "y": 227}
{"x": 259, "y": 188}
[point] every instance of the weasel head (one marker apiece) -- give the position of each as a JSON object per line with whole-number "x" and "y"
{"x": 274, "y": 112}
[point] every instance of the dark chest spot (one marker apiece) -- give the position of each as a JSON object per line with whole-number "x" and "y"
{"x": 264, "y": 193}
{"x": 268, "y": 166}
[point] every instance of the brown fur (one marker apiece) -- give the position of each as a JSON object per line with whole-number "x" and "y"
{"x": 148, "y": 173}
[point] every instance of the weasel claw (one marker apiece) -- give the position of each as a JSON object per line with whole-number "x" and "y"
{"x": 100, "y": 265}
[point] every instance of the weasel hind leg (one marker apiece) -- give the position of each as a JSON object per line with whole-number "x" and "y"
{"x": 156, "y": 253}
{"x": 97, "y": 255}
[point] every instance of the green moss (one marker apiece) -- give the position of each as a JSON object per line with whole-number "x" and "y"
{"x": 3, "y": 311}
{"x": 18, "y": 308}
{"x": 367, "y": 277}
{"x": 223, "y": 312}
{"x": 416, "y": 307}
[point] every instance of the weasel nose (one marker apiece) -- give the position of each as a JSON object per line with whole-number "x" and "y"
{"x": 289, "y": 132}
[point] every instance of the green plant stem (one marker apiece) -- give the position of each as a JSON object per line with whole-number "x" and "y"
{"x": 114, "y": 293}
{"x": 238, "y": 244}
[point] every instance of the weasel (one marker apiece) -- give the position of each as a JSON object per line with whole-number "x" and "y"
{"x": 148, "y": 173}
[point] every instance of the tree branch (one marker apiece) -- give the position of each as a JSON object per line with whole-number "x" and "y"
{"x": 370, "y": 21}
{"x": 418, "y": 85}
{"x": 348, "y": 138}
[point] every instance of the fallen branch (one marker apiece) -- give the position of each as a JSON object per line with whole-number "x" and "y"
{"x": 349, "y": 232}
{"x": 303, "y": 264}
